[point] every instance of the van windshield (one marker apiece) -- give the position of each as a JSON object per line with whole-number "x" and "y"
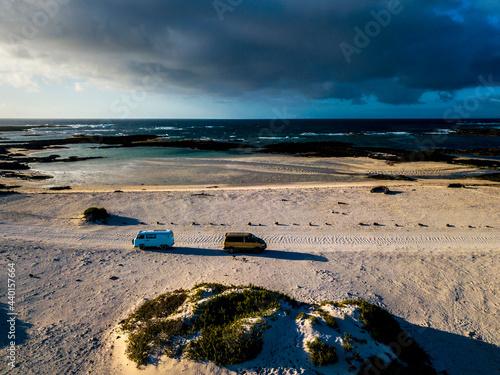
{"x": 140, "y": 236}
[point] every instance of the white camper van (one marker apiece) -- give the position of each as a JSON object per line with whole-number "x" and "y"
{"x": 154, "y": 238}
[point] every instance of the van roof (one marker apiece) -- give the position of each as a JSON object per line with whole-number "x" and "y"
{"x": 156, "y": 231}
{"x": 238, "y": 234}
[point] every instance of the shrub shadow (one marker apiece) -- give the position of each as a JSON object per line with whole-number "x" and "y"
{"x": 395, "y": 192}
{"x": 276, "y": 254}
{"x": 119, "y": 221}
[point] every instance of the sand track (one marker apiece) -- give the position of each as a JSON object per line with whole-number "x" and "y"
{"x": 117, "y": 237}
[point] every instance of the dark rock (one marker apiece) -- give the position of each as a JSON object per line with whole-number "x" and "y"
{"x": 380, "y": 189}
{"x": 14, "y": 165}
{"x": 480, "y": 132}
{"x": 113, "y": 278}
{"x": 8, "y": 192}
{"x": 201, "y": 195}
{"x": 489, "y": 177}
{"x": 60, "y": 188}
{"x": 391, "y": 177}
{"x": 456, "y": 185}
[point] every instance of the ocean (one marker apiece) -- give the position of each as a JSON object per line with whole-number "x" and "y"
{"x": 177, "y": 166}
{"x": 411, "y": 134}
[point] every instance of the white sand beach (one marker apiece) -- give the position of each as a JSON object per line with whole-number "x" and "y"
{"x": 441, "y": 282}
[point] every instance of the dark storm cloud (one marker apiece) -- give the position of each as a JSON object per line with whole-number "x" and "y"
{"x": 247, "y": 46}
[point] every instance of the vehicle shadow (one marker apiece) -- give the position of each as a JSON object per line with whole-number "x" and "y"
{"x": 275, "y": 254}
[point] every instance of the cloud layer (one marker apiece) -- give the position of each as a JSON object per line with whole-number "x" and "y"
{"x": 233, "y": 48}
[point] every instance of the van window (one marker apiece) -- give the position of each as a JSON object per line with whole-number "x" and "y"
{"x": 140, "y": 236}
{"x": 250, "y": 240}
{"x": 150, "y": 235}
{"x": 234, "y": 239}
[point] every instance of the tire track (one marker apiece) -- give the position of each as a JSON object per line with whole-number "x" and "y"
{"x": 120, "y": 236}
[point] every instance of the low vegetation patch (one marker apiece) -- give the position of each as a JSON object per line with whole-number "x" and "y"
{"x": 321, "y": 353}
{"x": 329, "y": 320}
{"x": 301, "y": 316}
{"x": 228, "y": 324}
{"x": 93, "y": 214}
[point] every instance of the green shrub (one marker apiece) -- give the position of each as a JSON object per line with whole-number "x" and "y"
{"x": 314, "y": 321}
{"x": 94, "y": 214}
{"x": 153, "y": 333}
{"x": 202, "y": 287}
{"x": 148, "y": 326}
{"x": 226, "y": 344}
{"x": 138, "y": 347}
{"x": 322, "y": 354}
{"x": 329, "y": 320}
{"x": 301, "y": 316}
{"x": 161, "y": 307}
{"x": 225, "y": 309}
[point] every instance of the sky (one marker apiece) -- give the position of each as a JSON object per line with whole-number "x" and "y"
{"x": 249, "y": 59}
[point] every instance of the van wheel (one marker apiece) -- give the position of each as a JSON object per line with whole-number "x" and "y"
{"x": 230, "y": 250}
{"x": 141, "y": 246}
{"x": 257, "y": 250}
{"x": 164, "y": 247}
